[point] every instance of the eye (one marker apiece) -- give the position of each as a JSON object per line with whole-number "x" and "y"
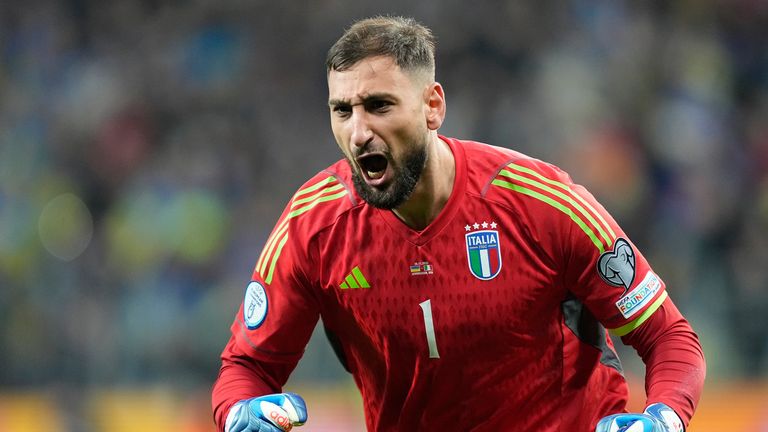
{"x": 378, "y": 105}
{"x": 342, "y": 110}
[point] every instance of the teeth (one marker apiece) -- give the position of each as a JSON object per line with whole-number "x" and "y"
{"x": 375, "y": 175}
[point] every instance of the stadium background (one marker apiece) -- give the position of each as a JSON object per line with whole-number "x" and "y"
{"x": 147, "y": 147}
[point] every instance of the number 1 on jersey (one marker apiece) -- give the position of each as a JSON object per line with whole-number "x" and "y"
{"x": 426, "y": 309}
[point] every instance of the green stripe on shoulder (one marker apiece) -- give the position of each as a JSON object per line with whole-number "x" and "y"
{"x": 565, "y": 187}
{"x": 315, "y": 186}
{"x": 566, "y": 210}
{"x": 566, "y": 195}
{"x": 320, "y": 198}
{"x": 560, "y": 196}
{"x": 328, "y": 189}
{"x": 570, "y": 191}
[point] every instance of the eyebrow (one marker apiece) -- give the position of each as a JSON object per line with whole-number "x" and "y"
{"x": 365, "y": 99}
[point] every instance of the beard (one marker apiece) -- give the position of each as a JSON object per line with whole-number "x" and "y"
{"x": 406, "y": 175}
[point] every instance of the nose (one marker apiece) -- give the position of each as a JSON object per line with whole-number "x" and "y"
{"x": 361, "y": 130}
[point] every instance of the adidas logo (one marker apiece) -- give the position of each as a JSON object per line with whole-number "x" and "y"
{"x": 354, "y": 280}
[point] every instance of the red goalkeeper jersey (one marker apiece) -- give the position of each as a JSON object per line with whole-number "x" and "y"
{"x": 492, "y": 318}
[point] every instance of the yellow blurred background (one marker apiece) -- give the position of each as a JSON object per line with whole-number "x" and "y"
{"x": 723, "y": 407}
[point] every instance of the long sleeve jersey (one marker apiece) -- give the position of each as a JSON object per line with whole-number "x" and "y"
{"x": 494, "y": 317}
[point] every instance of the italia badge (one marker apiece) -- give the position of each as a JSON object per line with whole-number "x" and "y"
{"x": 483, "y": 251}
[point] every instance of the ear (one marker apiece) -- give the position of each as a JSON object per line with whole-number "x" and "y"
{"x": 434, "y": 98}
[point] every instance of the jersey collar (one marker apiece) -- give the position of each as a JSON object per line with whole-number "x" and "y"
{"x": 446, "y": 214}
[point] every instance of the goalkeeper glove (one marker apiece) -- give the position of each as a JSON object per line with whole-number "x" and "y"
{"x": 656, "y": 418}
{"x": 270, "y": 413}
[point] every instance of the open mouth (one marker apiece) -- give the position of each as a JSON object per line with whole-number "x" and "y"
{"x": 374, "y": 165}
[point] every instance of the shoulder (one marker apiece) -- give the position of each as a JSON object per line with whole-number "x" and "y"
{"x": 321, "y": 200}
{"x": 492, "y": 170}
{"x": 544, "y": 197}
{"x": 536, "y": 194}
{"x": 316, "y": 205}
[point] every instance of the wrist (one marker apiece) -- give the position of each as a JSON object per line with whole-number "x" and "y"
{"x": 233, "y": 415}
{"x": 666, "y": 415}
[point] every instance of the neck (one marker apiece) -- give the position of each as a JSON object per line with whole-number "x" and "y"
{"x": 433, "y": 189}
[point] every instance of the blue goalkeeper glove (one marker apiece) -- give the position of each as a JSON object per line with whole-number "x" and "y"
{"x": 270, "y": 413}
{"x": 656, "y": 418}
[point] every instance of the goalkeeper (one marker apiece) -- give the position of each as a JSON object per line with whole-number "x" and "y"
{"x": 466, "y": 287}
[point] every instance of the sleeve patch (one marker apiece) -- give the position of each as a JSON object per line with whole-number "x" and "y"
{"x": 634, "y": 300}
{"x": 254, "y": 305}
{"x": 637, "y": 322}
{"x": 617, "y": 267}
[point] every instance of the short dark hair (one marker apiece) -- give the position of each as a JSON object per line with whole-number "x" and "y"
{"x": 408, "y": 42}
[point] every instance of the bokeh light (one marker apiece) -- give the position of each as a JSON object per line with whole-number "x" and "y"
{"x": 65, "y": 226}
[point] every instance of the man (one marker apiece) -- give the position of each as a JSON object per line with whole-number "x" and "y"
{"x": 463, "y": 285}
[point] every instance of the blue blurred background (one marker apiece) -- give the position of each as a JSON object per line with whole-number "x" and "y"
{"x": 147, "y": 148}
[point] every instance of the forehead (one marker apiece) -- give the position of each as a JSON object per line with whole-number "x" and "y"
{"x": 370, "y": 75}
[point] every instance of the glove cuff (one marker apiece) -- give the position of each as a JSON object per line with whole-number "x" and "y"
{"x": 233, "y": 416}
{"x": 666, "y": 416}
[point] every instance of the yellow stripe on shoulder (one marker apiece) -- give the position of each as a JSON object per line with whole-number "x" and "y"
{"x": 562, "y": 197}
{"x": 304, "y": 200}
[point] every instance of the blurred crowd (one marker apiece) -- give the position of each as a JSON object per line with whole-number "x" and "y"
{"x": 147, "y": 148}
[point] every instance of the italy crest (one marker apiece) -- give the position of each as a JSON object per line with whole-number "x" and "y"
{"x": 483, "y": 253}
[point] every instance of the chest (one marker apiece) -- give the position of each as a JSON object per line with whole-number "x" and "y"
{"x": 477, "y": 281}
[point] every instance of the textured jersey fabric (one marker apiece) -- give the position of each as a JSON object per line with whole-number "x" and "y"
{"x": 492, "y": 318}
